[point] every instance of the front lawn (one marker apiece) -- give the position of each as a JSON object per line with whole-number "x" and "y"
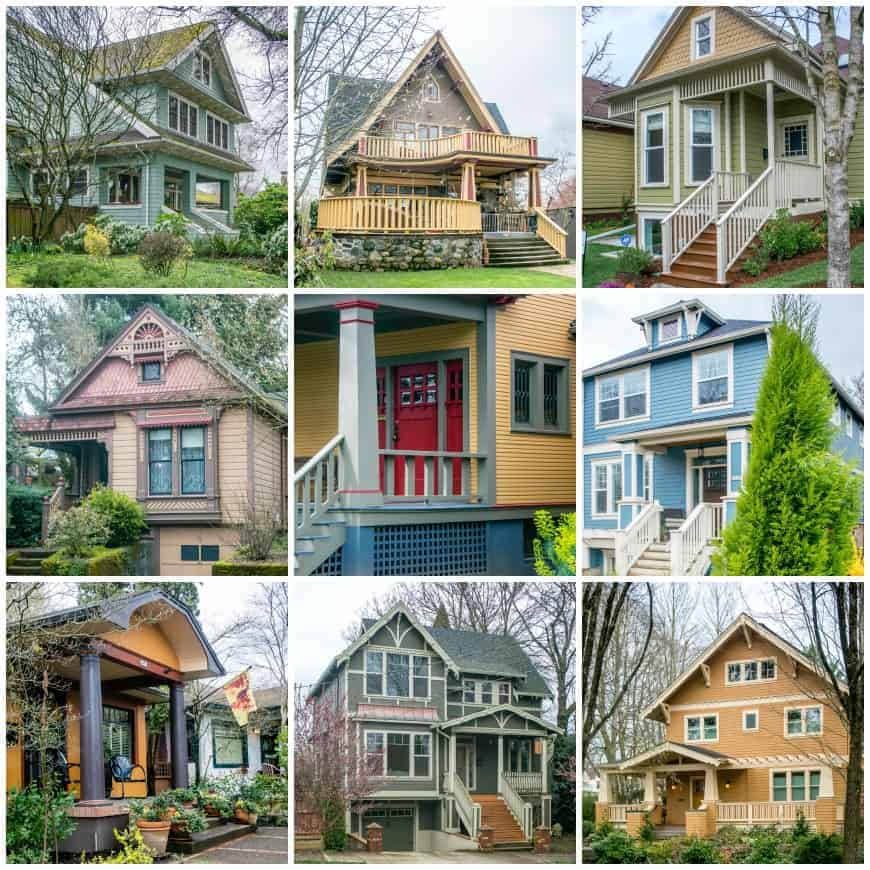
{"x": 816, "y": 274}
{"x": 126, "y": 271}
{"x": 502, "y": 278}
{"x": 598, "y": 268}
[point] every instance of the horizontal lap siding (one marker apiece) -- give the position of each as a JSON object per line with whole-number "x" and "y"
{"x": 172, "y": 538}
{"x": 534, "y": 468}
{"x": 669, "y": 478}
{"x": 663, "y": 196}
{"x": 267, "y": 464}
{"x": 856, "y": 157}
{"x": 124, "y": 455}
{"x": 233, "y": 462}
{"x": 701, "y": 103}
{"x": 608, "y": 168}
{"x": 756, "y": 134}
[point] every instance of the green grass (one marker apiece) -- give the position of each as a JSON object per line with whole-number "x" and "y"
{"x": 598, "y": 268}
{"x": 490, "y": 277}
{"x": 126, "y": 271}
{"x": 816, "y": 274}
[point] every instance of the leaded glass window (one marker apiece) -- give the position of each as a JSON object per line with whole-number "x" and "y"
{"x": 522, "y": 391}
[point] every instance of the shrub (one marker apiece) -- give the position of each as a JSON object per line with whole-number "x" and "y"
{"x": 50, "y": 249}
{"x": 133, "y": 850}
{"x": 635, "y": 261}
{"x": 107, "y": 563}
{"x": 264, "y": 212}
{"x": 61, "y": 273}
{"x": 276, "y": 249}
{"x": 662, "y": 852}
{"x": 21, "y": 245}
{"x": 160, "y": 251}
{"x": 757, "y": 262}
{"x": 588, "y": 828}
{"x": 613, "y": 282}
{"x": 856, "y": 215}
{"x": 800, "y": 828}
{"x": 700, "y": 851}
{"x": 334, "y": 832}
{"x": 29, "y": 816}
{"x": 819, "y": 849}
{"x": 785, "y": 238}
{"x": 765, "y": 848}
{"x": 249, "y": 569}
{"x": 24, "y": 514}
{"x": 589, "y": 807}
{"x": 124, "y": 516}
{"x": 96, "y": 243}
{"x": 78, "y": 530}
{"x": 556, "y": 548}
{"x": 311, "y": 257}
{"x": 124, "y": 238}
{"x": 647, "y": 829}
{"x": 172, "y": 222}
{"x": 617, "y": 848}
{"x": 61, "y": 565}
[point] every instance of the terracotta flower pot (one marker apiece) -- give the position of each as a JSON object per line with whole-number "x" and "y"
{"x": 155, "y": 835}
{"x": 246, "y": 818}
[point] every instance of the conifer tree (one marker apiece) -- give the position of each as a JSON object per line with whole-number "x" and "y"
{"x": 441, "y": 618}
{"x": 800, "y": 500}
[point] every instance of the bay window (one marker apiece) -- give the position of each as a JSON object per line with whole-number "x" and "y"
{"x": 160, "y": 461}
{"x": 193, "y": 460}
{"x": 606, "y": 487}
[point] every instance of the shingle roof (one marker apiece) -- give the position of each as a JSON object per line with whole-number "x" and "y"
{"x": 153, "y": 50}
{"x": 593, "y": 90}
{"x": 699, "y": 749}
{"x": 499, "y": 118}
{"x": 264, "y": 698}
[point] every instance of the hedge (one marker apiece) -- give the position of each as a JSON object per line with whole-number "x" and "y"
{"x": 12, "y": 557}
{"x": 24, "y": 512}
{"x": 103, "y": 563}
{"x": 250, "y": 569}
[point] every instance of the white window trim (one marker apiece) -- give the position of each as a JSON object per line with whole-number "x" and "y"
{"x": 757, "y": 721}
{"x": 202, "y": 55}
{"x": 411, "y": 735}
{"x": 663, "y": 111}
{"x": 803, "y": 732}
{"x": 713, "y": 406}
{"x": 702, "y": 717}
{"x": 190, "y": 106}
{"x": 229, "y": 137}
{"x": 478, "y": 692}
{"x": 690, "y": 123}
{"x": 622, "y": 420}
{"x": 782, "y": 123}
{"x": 806, "y": 771}
{"x": 837, "y": 416}
{"x": 383, "y": 652}
{"x": 649, "y": 477}
{"x": 431, "y": 80}
{"x": 850, "y": 432}
{"x": 659, "y": 216}
{"x": 695, "y": 21}
{"x": 742, "y": 662}
{"x": 609, "y": 515}
{"x": 667, "y": 319}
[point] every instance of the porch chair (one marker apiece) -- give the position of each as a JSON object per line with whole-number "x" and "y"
{"x": 122, "y": 771}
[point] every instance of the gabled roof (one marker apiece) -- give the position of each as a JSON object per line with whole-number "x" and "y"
{"x": 678, "y": 307}
{"x": 502, "y": 708}
{"x": 454, "y": 70}
{"x": 744, "y": 622}
{"x": 695, "y": 753}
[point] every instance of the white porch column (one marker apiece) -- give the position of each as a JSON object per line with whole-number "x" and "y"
{"x": 737, "y": 459}
{"x": 676, "y": 147}
{"x": 500, "y": 740}
{"x": 604, "y": 788}
{"x": 727, "y": 131}
{"x": 452, "y": 759}
{"x": 357, "y": 404}
{"x": 826, "y": 786}
{"x": 771, "y": 132}
{"x": 711, "y": 784}
{"x": 649, "y": 788}
{"x": 544, "y": 749}
{"x": 743, "y": 131}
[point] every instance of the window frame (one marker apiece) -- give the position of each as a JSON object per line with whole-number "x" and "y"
{"x": 367, "y": 672}
{"x": 787, "y": 773}
{"x": 669, "y": 318}
{"x": 217, "y": 120}
{"x": 611, "y": 501}
{"x": 411, "y": 735}
{"x": 179, "y": 100}
{"x": 622, "y": 420}
{"x": 701, "y": 717}
{"x": 198, "y": 58}
{"x": 803, "y": 731}
{"x": 244, "y": 739}
{"x": 150, "y": 362}
{"x": 411, "y": 655}
{"x": 112, "y": 174}
{"x": 755, "y": 713}
{"x": 537, "y": 416}
{"x": 691, "y": 108}
{"x": 649, "y": 220}
{"x": 783, "y": 124}
{"x": 759, "y": 679}
{"x": 837, "y": 415}
{"x": 427, "y": 82}
{"x": 182, "y": 460}
{"x": 414, "y": 677}
{"x": 698, "y": 19}
{"x": 712, "y": 406}
{"x": 502, "y": 685}
{"x": 129, "y": 725}
{"x": 665, "y": 146}
{"x": 150, "y": 462}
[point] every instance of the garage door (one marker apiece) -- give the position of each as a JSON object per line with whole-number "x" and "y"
{"x": 398, "y": 825}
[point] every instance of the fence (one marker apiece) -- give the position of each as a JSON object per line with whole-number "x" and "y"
{"x": 19, "y": 221}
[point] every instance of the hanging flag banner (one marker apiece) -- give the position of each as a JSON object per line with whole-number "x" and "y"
{"x": 240, "y": 697}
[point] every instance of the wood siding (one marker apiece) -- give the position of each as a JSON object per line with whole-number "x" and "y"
{"x": 146, "y": 640}
{"x": 856, "y": 157}
{"x": 232, "y": 463}
{"x": 532, "y": 468}
{"x": 756, "y": 134}
{"x": 663, "y": 196}
{"x": 267, "y": 465}
{"x": 172, "y": 538}
{"x": 124, "y": 454}
{"x": 608, "y": 169}
{"x": 733, "y": 36}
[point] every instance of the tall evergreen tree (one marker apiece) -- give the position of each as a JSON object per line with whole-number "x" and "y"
{"x": 441, "y": 618}
{"x": 800, "y": 500}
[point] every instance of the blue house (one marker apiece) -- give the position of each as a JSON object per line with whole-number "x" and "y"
{"x": 667, "y": 435}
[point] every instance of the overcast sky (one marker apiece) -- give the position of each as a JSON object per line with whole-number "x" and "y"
{"x": 608, "y": 331}
{"x": 635, "y": 28}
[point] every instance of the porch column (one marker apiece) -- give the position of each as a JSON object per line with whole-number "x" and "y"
{"x": 771, "y": 134}
{"x": 451, "y": 762}
{"x": 93, "y": 784}
{"x": 649, "y": 787}
{"x": 545, "y": 789}
{"x": 727, "y": 131}
{"x": 604, "y": 788}
{"x": 826, "y": 784}
{"x": 357, "y": 404}
{"x": 500, "y": 760}
{"x": 362, "y": 180}
{"x": 178, "y": 736}
{"x": 743, "y": 131}
{"x": 711, "y": 784}
{"x": 534, "y": 188}
{"x": 677, "y": 110}
{"x": 737, "y": 459}
{"x": 468, "y": 189}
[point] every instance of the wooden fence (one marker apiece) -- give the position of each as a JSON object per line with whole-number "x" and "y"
{"x": 18, "y": 220}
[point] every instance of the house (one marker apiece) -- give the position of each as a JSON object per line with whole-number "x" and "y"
{"x": 608, "y": 154}
{"x": 421, "y": 173}
{"x": 726, "y": 134}
{"x": 667, "y": 430}
{"x": 429, "y": 428}
{"x": 160, "y": 416}
{"x": 450, "y": 726}
{"x": 179, "y": 107}
{"x": 752, "y": 737}
{"x": 129, "y": 647}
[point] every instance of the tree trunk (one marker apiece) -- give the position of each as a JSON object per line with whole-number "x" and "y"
{"x": 854, "y": 779}
{"x": 836, "y": 185}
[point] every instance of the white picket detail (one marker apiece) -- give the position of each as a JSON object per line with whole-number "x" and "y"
{"x": 702, "y": 525}
{"x": 469, "y": 811}
{"x": 521, "y": 810}
{"x": 732, "y": 185}
{"x": 796, "y": 180}
{"x": 643, "y": 530}
{"x": 688, "y": 220}
{"x": 751, "y": 813}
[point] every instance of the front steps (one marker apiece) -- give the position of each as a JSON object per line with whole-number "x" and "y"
{"x": 216, "y": 833}
{"x": 696, "y": 266}
{"x": 655, "y": 562}
{"x": 28, "y": 563}
{"x": 311, "y": 551}
{"x": 521, "y": 249}
{"x": 495, "y": 814}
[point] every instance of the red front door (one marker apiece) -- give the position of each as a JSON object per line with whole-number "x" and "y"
{"x": 453, "y": 415}
{"x": 415, "y": 419}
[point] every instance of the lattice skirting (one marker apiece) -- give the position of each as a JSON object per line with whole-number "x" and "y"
{"x": 332, "y": 566}
{"x": 431, "y": 549}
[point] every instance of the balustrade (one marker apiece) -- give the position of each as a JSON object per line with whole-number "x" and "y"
{"x": 432, "y": 474}
{"x": 316, "y": 485}
{"x": 389, "y": 214}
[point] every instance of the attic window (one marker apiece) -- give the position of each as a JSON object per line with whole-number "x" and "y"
{"x": 703, "y": 33}
{"x": 151, "y": 370}
{"x": 202, "y": 68}
{"x": 670, "y": 329}
{"x": 431, "y": 91}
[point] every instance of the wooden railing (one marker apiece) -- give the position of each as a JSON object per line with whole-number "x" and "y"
{"x": 521, "y": 810}
{"x": 513, "y": 222}
{"x": 469, "y": 141}
{"x": 732, "y": 185}
{"x": 397, "y": 214}
{"x": 702, "y": 525}
{"x": 52, "y": 506}
{"x": 688, "y": 220}
{"x": 316, "y": 485}
{"x": 551, "y": 233}
{"x": 739, "y": 225}
{"x": 642, "y": 531}
{"x": 525, "y": 782}
{"x": 765, "y": 812}
{"x": 469, "y": 811}
{"x": 616, "y": 812}
{"x": 446, "y": 475}
{"x": 796, "y": 180}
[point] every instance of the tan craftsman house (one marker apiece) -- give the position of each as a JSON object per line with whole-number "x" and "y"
{"x": 726, "y": 133}
{"x": 425, "y": 166}
{"x": 751, "y": 737}
{"x": 158, "y": 415}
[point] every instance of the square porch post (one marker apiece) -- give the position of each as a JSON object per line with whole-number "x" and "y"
{"x": 500, "y": 740}
{"x": 362, "y": 177}
{"x": 93, "y": 784}
{"x": 737, "y": 458}
{"x": 468, "y": 190}
{"x": 534, "y": 188}
{"x": 771, "y": 131}
{"x": 178, "y": 736}
{"x": 358, "y": 405}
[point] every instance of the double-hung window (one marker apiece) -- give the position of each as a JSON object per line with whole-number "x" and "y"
{"x": 540, "y": 394}
{"x": 606, "y": 487}
{"x": 623, "y": 397}
{"x": 486, "y": 693}
{"x": 712, "y": 378}
{"x": 504, "y": 693}
{"x": 375, "y": 755}
{"x": 192, "y": 460}
{"x": 703, "y": 36}
{"x": 159, "y": 461}
{"x": 422, "y": 754}
{"x": 202, "y": 68}
{"x": 655, "y": 139}
{"x": 469, "y": 695}
{"x": 702, "y": 729}
{"x": 701, "y": 150}
{"x": 398, "y": 754}
{"x": 750, "y": 720}
{"x": 374, "y": 672}
{"x": 803, "y": 721}
{"x": 421, "y": 676}
{"x": 398, "y": 685}
{"x": 183, "y": 116}
{"x": 217, "y": 132}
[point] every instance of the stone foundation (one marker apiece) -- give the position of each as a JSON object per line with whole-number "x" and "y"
{"x": 400, "y": 252}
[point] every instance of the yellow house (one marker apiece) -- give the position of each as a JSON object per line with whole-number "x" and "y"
{"x": 429, "y": 428}
{"x": 752, "y": 737}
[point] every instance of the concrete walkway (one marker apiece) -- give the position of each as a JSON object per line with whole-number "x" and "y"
{"x": 267, "y": 846}
{"x": 565, "y": 270}
{"x": 469, "y": 857}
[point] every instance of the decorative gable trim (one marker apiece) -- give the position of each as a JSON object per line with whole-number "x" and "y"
{"x": 496, "y": 712}
{"x": 677, "y": 749}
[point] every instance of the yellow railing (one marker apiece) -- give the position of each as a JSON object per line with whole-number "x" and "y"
{"x": 552, "y": 233}
{"x": 396, "y": 214}
{"x": 473, "y": 141}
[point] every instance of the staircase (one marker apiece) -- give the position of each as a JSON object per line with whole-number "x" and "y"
{"x": 654, "y": 562}
{"x": 314, "y": 547}
{"x": 506, "y": 831}
{"x": 216, "y": 833}
{"x": 520, "y": 249}
{"x": 28, "y": 563}
{"x": 208, "y": 223}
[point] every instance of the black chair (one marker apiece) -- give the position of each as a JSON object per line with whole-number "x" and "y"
{"x": 122, "y": 771}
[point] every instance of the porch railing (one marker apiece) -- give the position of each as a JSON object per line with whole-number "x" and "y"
{"x": 52, "y": 506}
{"x": 551, "y": 233}
{"x": 525, "y": 782}
{"x": 316, "y": 485}
{"x": 739, "y": 225}
{"x": 688, "y": 220}
{"x": 702, "y": 525}
{"x": 642, "y": 531}
{"x": 446, "y": 475}
{"x": 521, "y": 810}
{"x": 732, "y": 185}
{"x": 472, "y": 141}
{"x": 616, "y": 812}
{"x": 394, "y": 214}
{"x": 512, "y": 222}
{"x": 765, "y": 812}
{"x": 797, "y": 180}
{"x": 469, "y": 811}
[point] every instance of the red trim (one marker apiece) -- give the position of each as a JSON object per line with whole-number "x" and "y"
{"x": 357, "y": 303}
{"x": 169, "y": 422}
{"x": 358, "y": 491}
{"x": 143, "y": 664}
{"x": 357, "y": 320}
{"x": 535, "y": 504}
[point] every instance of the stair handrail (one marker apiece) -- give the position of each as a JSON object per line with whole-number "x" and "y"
{"x": 796, "y": 179}
{"x": 702, "y": 524}
{"x": 521, "y": 810}
{"x": 630, "y": 542}
{"x": 52, "y": 505}
{"x": 316, "y": 484}
{"x": 547, "y": 229}
{"x": 469, "y": 810}
{"x": 692, "y": 217}
{"x": 738, "y": 226}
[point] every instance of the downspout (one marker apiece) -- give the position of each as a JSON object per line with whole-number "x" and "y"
{"x": 147, "y": 184}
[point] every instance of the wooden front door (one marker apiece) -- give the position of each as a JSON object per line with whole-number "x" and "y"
{"x": 415, "y": 419}
{"x": 697, "y": 794}
{"x": 453, "y": 416}
{"x": 713, "y": 483}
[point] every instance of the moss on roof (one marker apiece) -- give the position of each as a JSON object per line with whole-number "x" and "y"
{"x": 152, "y": 51}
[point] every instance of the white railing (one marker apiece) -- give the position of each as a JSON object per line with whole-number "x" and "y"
{"x": 642, "y": 531}
{"x": 796, "y": 180}
{"x": 751, "y": 813}
{"x": 702, "y": 525}
{"x": 724, "y": 80}
{"x": 469, "y": 811}
{"x": 445, "y": 475}
{"x": 513, "y": 222}
{"x": 688, "y": 220}
{"x": 625, "y": 106}
{"x": 316, "y": 485}
{"x": 791, "y": 83}
{"x": 525, "y": 782}
{"x": 521, "y": 810}
{"x": 616, "y": 812}
{"x": 732, "y": 185}
{"x": 739, "y": 225}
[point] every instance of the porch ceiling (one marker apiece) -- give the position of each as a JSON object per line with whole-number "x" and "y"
{"x": 323, "y": 325}
{"x": 685, "y": 433}
{"x": 119, "y": 678}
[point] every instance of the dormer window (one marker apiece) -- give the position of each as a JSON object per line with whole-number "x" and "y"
{"x": 504, "y": 693}
{"x": 431, "y": 91}
{"x": 849, "y": 430}
{"x": 151, "y": 371}
{"x": 669, "y": 329}
{"x": 703, "y": 35}
{"x": 202, "y": 68}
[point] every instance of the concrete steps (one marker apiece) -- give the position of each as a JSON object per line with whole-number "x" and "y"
{"x": 214, "y": 835}
{"x": 311, "y": 551}
{"x": 29, "y": 562}
{"x": 655, "y": 562}
{"x": 521, "y": 250}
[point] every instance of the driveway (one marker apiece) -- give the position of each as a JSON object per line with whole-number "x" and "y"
{"x": 469, "y": 857}
{"x": 267, "y": 846}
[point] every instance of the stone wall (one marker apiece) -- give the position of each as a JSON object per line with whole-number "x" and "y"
{"x": 388, "y": 252}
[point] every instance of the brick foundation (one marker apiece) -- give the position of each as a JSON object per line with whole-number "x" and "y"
{"x": 634, "y": 822}
{"x": 542, "y": 839}
{"x": 374, "y": 838}
{"x": 486, "y": 839}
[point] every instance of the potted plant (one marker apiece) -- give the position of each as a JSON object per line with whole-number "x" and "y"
{"x": 216, "y": 806}
{"x": 187, "y": 821}
{"x": 150, "y": 821}
{"x": 183, "y": 797}
{"x": 247, "y": 811}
